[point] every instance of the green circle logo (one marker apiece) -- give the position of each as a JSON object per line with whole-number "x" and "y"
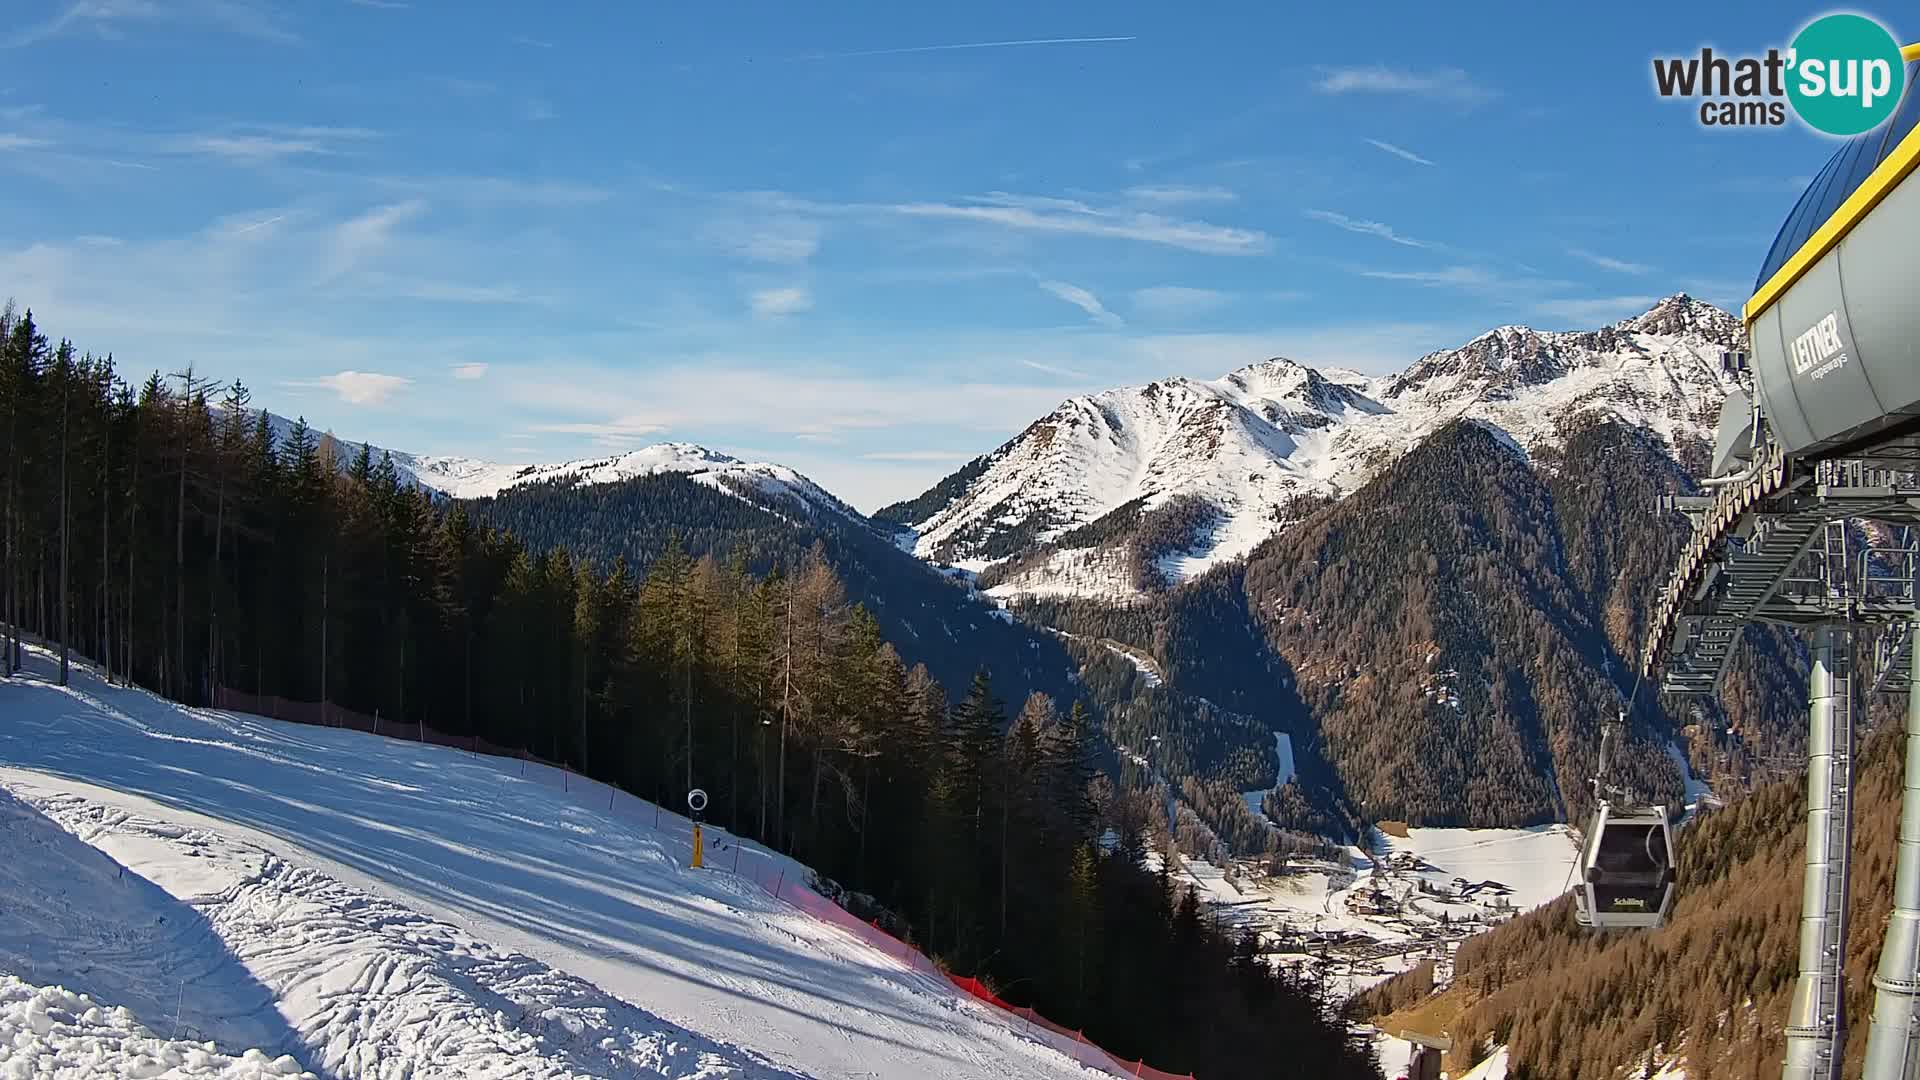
{"x": 1845, "y": 74}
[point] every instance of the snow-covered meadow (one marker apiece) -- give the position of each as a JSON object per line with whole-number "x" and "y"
{"x": 1358, "y": 921}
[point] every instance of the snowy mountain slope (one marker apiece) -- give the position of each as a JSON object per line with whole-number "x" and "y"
{"x": 258, "y": 952}
{"x": 1234, "y": 441}
{"x": 759, "y": 481}
{"x": 472, "y": 478}
{"x": 391, "y": 899}
{"x": 1253, "y": 442}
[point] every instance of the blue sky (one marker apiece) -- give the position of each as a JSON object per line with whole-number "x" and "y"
{"x": 818, "y": 233}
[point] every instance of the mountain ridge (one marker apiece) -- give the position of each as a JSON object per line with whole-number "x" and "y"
{"x": 1253, "y": 441}
{"x": 458, "y": 477}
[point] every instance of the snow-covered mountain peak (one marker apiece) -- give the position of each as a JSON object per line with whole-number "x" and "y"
{"x": 1278, "y": 377}
{"x": 658, "y": 458}
{"x": 1507, "y": 355}
{"x": 760, "y": 482}
{"x": 1295, "y": 397}
{"x": 677, "y": 455}
{"x": 1681, "y": 315}
{"x": 458, "y": 477}
{"x": 1275, "y": 371}
{"x": 1250, "y": 444}
{"x": 1508, "y": 358}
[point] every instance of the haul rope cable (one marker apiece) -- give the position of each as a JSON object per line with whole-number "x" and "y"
{"x": 1626, "y": 706}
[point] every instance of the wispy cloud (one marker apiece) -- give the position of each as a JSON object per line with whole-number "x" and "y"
{"x": 360, "y": 238}
{"x": 112, "y": 19}
{"x": 357, "y": 387}
{"x": 385, "y": 5}
{"x": 1055, "y": 215}
{"x": 443, "y": 292}
{"x": 330, "y": 132}
{"x": 1176, "y": 300}
{"x": 1082, "y": 299}
{"x": 255, "y": 226}
{"x": 614, "y": 434}
{"x": 470, "y": 372}
{"x": 265, "y": 143}
{"x": 21, "y": 142}
{"x": 783, "y": 238}
{"x": 496, "y": 191}
{"x": 1056, "y": 369}
{"x": 1466, "y": 277}
{"x": 786, "y": 300}
{"x": 1529, "y": 291}
{"x": 1595, "y": 311}
{"x": 249, "y": 230}
{"x": 1180, "y": 193}
{"x": 1607, "y": 262}
{"x": 1398, "y": 151}
{"x": 247, "y": 148}
{"x": 1443, "y": 84}
{"x": 737, "y": 393}
{"x": 532, "y": 42}
{"x": 1366, "y": 228}
{"x": 968, "y": 45}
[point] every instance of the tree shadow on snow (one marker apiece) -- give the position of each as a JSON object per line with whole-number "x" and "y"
{"x": 73, "y": 916}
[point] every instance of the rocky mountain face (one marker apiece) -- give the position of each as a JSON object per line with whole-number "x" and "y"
{"x": 1458, "y": 629}
{"x": 1421, "y": 578}
{"x": 1440, "y": 647}
{"x": 1059, "y": 509}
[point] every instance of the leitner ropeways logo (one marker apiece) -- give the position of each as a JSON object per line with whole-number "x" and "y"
{"x": 1843, "y": 75}
{"x": 1820, "y": 350}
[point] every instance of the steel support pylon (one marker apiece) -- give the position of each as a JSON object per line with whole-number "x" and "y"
{"x": 1816, "y": 1024}
{"x": 1893, "y": 1045}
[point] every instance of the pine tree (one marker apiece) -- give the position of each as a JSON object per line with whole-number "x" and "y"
{"x": 1080, "y": 936}
{"x": 63, "y": 376}
{"x": 20, "y": 367}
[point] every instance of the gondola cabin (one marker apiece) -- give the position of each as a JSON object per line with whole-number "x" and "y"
{"x": 1626, "y": 869}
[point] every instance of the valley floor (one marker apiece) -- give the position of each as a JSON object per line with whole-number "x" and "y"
{"x": 1355, "y": 927}
{"x": 349, "y": 906}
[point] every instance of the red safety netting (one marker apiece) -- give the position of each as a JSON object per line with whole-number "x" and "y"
{"x": 1072, "y": 1043}
{"x": 766, "y": 870}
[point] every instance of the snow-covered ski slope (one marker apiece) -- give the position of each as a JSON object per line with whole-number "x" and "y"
{"x": 355, "y": 906}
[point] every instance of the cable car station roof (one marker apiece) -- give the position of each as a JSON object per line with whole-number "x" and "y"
{"x": 1858, "y": 176}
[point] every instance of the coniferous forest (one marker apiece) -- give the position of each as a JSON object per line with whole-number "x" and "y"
{"x": 160, "y": 529}
{"x": 1713, "y": 987}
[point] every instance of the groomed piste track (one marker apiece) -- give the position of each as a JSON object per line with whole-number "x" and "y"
{"x": 60, "y": 746}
